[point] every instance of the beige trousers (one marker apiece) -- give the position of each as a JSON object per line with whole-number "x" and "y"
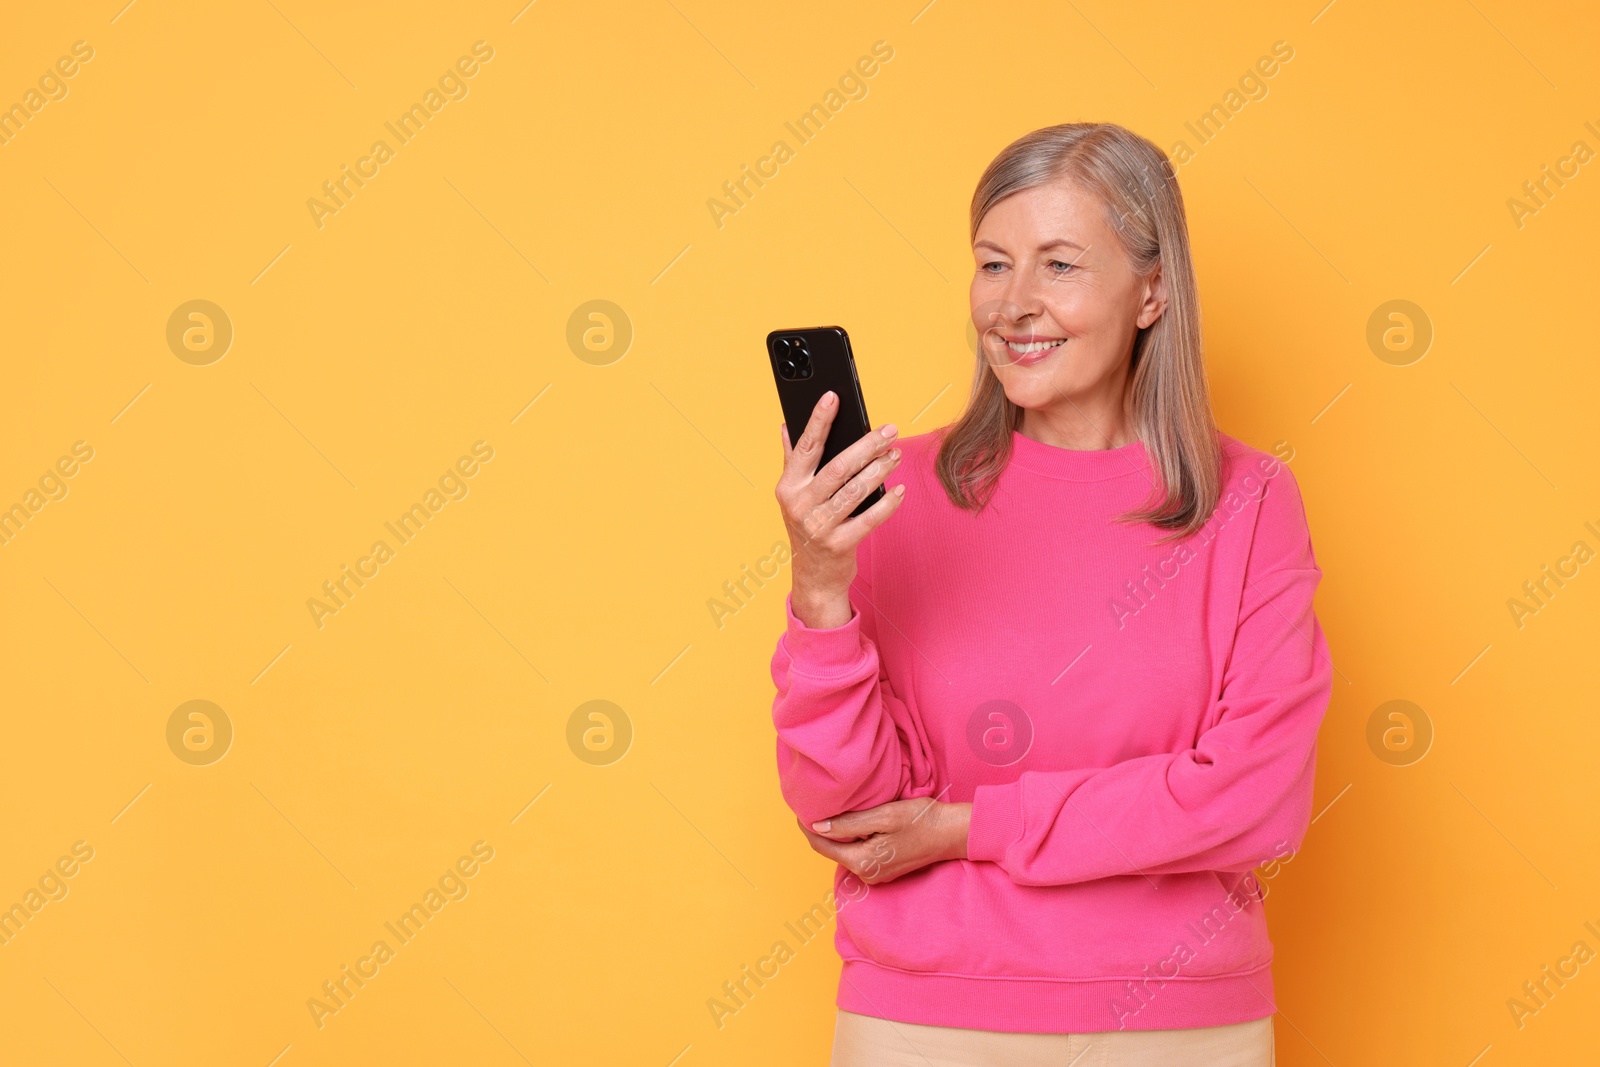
{"x": 865, "y": 1041}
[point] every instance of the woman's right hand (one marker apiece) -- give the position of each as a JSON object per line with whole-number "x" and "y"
{"x": 816, "y": 507}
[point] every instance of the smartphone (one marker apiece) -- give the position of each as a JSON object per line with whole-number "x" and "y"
{"x": 807, "y": 363}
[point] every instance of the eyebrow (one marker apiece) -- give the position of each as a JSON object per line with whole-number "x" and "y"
{"x": 1059, "y": 242}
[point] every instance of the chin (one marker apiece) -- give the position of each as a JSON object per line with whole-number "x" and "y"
{"x": 1039, "y": 384}
{"x": 1035, "y": 395}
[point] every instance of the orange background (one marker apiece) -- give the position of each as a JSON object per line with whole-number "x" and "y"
{"x": 431, "y": 711}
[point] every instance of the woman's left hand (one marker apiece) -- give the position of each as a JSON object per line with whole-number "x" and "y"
{"x": 880, "y": 844}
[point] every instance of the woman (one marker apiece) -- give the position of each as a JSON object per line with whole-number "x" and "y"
{"x": 1051, "y": 719}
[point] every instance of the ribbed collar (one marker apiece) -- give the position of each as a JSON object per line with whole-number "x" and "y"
{"x": 1079, "y": 465}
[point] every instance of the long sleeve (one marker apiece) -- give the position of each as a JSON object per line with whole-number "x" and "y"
{"x": 1231, "y": 802}
{"x": 845, "y": 740}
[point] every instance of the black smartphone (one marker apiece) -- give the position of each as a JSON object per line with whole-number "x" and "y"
{"x": 807, "y": 363}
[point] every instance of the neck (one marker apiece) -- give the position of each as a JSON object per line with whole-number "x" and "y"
{"x": 1082, "y": 424}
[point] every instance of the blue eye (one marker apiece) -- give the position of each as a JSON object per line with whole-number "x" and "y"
{"x": 1063, "y": 267}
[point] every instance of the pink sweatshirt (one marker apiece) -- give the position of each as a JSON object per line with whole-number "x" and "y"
{"x": 1134, "y": 724}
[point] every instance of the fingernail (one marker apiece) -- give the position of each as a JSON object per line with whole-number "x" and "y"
{"x": 822, "y": 827}
{"x": 890, "y": 430}
{"x": 894, "y": 453}
{"x": 829, "y": 397}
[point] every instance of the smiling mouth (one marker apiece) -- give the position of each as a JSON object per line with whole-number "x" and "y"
{"x": 1030, "y": 348}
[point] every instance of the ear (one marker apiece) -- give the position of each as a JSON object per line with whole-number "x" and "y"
{"x": 1154, "y": 302}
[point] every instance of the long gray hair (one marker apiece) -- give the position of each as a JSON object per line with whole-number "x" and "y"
{"x": 1169, "y": 399}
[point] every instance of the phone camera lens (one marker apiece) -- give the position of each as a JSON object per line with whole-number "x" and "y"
{"x": 801, "y": 356}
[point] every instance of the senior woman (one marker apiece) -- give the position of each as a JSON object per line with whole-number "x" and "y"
{"x": 1050, "y": 719}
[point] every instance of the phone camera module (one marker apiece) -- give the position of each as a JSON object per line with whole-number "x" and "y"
{"x": 793, "y": 358}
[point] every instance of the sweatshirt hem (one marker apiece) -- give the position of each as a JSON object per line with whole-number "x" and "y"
{"x": 1054, "y": 1005}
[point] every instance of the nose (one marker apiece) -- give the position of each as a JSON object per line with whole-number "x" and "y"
{"x": 1024, "y": 295}
{"x": 1018, "y": 304}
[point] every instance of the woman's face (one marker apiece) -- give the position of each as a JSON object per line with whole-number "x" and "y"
{"x": 1056, "y": 303}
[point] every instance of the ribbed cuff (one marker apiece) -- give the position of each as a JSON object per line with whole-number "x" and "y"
{"x": 823, "y": 653}
{"x": 996, "y": 821}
